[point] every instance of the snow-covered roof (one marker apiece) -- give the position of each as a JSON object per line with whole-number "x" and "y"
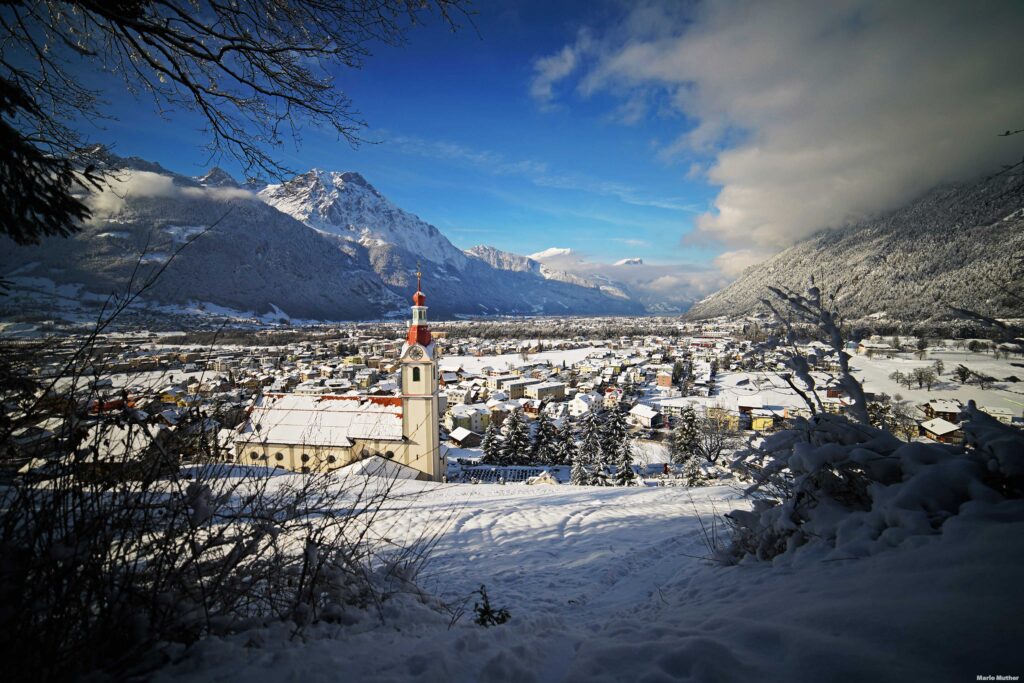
{"x": 640, "y": 410}
{"x": 939, "y": 427}
{"x": 459, "y": 433}
{"x": 547, "y": 385}
{"x": 318, "y": 421}
{"x": 376, "y": 466}
{"x": 945, "y": 405}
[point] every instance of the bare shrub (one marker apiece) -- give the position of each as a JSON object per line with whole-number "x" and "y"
{"x": 106, "y": 572}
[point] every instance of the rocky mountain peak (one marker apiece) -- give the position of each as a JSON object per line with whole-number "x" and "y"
{"x": 217, "y": 177}
{"x": 504, "y": 260}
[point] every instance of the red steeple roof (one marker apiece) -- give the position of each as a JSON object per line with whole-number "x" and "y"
{"x": 419, "y": 299}
{"x": 419, "y": 333}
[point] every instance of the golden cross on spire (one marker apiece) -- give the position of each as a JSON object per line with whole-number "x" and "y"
{"x": 418, "y": 276}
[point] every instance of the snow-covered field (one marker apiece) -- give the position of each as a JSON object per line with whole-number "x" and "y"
{"x": 874, "y": 373}
{"x": 513, "y": 360}
{"x": 609, "y": 585}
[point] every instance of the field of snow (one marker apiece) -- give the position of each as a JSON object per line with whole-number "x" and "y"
{"x": 874, "y": 373}
{"x": 508, "y": 361}
{"x": 610, "y": 585}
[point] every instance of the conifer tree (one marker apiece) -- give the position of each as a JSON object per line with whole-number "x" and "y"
{"x": 491, "y": 446}
{"x": 684, "y": 436}
{"x": 579, "y": 475}
{"x": 544, "y": 451}
{"x": 516, "y": 448}
{"x": 685, "y": 447}
{"x": 613, "y": 435}
{"x": 565, "y": 451}
{"x": 624, "y": 474}
{"x": 590, "y": 442}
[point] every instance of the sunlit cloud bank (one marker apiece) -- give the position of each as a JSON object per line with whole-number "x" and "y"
{"x": 809, "y": 115}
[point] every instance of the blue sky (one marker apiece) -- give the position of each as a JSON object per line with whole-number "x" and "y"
{"x": 464, "y": 145}
{"x": 701, "y": 136}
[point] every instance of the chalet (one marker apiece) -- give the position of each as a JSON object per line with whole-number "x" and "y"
{"x": 762, "y": 420}
{"x": 464, "y": 438}
{"x": 947, "y": 409}
{"x": 473, "y": 417}
{"x": 938, "y": 429}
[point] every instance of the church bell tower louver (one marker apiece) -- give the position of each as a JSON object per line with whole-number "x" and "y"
{"x": 419, "y": 391}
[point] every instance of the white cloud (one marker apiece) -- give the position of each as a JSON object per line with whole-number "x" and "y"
{"x": 809, "y": 115}
{"x": 732, "y": 263}
{"x": 648, "y": 283}
{"x": 127, "y": 183}
{"x": 549, "y": 70}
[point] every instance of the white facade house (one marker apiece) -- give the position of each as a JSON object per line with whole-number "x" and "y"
{"x": 583, "y": 403}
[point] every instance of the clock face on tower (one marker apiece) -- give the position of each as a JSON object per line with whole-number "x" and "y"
{"x": 416, "y": 353}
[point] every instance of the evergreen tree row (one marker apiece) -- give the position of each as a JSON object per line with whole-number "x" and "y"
{"x": 602, "y": 457}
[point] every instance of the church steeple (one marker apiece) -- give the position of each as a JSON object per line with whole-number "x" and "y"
{"x": 419, "y": 332}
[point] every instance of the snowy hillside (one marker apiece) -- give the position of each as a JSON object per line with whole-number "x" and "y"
{"x": 610, "y": 585}
{"x": 956, "y": 246}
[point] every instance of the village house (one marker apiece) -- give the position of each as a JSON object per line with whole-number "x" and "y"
{"x": 939, "y": 429}
{"x": 946, "y": 408}
{"x": 546, "y": 391}
{"x": 644, "y": 416}
{"x": 464, "y": 438}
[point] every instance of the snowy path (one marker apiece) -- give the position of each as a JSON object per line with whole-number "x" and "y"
{"x": 607, "y": 585}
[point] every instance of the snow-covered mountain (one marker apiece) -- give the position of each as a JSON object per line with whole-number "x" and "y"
{"x": 324, "y": 246}
{"x": 957, "y": 246}
{"x": 217, "y": 177}
{"x": 345, "y": 204}
{"x": 551, "y": 252}
{"x": 504, "y": 260}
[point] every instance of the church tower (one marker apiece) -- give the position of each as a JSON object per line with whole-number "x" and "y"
{"x": 419, "y": 392}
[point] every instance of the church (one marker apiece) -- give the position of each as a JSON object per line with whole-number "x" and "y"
{"x": 306, "y": 433}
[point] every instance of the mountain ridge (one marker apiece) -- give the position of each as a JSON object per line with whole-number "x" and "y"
{"x": 320, "y": 246}
{"x": 953, "y": 247}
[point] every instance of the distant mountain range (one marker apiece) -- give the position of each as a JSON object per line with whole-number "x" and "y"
{"x": 958, "y": 246}
{"x": 321, "y": 246}
{"x": 329, "y": 246}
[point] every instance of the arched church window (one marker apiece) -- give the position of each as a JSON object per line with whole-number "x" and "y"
{"x": 415, "y": 374}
